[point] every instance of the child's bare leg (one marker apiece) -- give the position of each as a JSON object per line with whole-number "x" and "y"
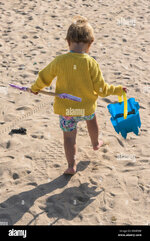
{"x": 93, "y": 130}
{"x": 70, "y": 150}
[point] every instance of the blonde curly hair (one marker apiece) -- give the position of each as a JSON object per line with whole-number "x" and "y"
{"x": 80, "y": 31}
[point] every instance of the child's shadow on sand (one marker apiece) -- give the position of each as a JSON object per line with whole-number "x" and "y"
{"x": 67, "y": 204}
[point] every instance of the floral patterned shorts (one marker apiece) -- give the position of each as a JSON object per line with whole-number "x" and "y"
{"x": 69, "y": 123}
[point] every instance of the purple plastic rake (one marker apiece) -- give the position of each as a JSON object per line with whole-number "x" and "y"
{"x": 62, "y": 96}
{"x": 70, "y": 97}
{"x": 19, "y": 87}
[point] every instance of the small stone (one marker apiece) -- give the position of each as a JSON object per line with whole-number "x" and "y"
{"x": 30, "y": 18}
{"x": 113, "y": 218}
{"x": 35, "y": 37}
{"x": 35, "y": 72}
{"x": 24, "y": 36}
{"x": 28, "y": 171}
{"x": 15, "y": 176}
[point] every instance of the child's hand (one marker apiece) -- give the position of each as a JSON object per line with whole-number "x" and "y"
{"x": 125, "y": 89}
{"x": 29, "y": 90}
{"x": 35, "y": 93}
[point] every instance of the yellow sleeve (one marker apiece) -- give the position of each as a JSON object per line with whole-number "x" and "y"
{"x": 45, "y": 77}
{"x": 100, "y": 86}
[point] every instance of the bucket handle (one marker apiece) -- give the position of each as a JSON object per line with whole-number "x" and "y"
{"x": 125, "y": 103}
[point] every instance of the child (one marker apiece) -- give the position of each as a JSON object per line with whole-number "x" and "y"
{"x": 77, "y": 74}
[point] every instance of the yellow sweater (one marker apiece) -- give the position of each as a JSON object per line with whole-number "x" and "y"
{"x": 78, "y": 75}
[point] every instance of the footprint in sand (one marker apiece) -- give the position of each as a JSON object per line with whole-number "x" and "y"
{"x": 107, "y": 100}
{"x": 37, "y": 136}
{"x": 119, "y": 141}
{"x": 29, "y": 157}
{"x": 23, "y": 108}
{"x": 11, "y": 157}
{"x": 92, "y": 181}
{"x": 8, "y": 144}
{"x": 32, "y": 184}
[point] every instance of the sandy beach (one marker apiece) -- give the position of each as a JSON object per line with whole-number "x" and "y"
{"x": 112, "y": 185}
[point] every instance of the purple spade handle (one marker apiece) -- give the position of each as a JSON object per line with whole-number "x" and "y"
{"x": 62, "y": 96}
{"x": 70, "y": 97}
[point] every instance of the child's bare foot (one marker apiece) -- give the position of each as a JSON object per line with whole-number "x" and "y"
{"x": 95, "y": 148}
{"x": 70, "y": 171}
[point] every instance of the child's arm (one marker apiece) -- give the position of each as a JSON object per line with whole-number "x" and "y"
{"x": 101, "y": 87}
{"x": 45, "y": 77}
